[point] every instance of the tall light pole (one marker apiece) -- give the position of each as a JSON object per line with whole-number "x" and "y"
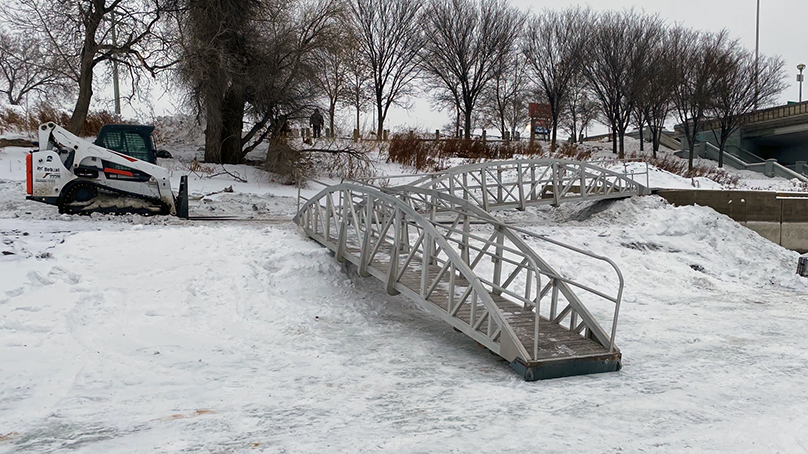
{"x": 757, "y": 51}
{"x": 801, "y": 66}
{"x": 116, "y": 90}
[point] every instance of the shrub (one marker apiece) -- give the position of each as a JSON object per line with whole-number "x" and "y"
{"x": 431, "y": 155}
{"x": 13, "y": 120}
{"x": 97, "y": 119}
{"x": 409, "y": 150}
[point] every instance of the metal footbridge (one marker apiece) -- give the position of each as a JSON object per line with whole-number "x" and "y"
{"x": 434, "y": 241}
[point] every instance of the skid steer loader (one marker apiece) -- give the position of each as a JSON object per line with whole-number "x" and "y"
{"x": 82, "y": 177}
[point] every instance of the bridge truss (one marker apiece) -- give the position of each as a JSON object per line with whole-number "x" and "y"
{"x": 440, "y": 247}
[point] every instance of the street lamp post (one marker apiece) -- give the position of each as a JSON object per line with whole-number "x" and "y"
{"x": 757, "y": 51}
{"x": 801, "y": 66}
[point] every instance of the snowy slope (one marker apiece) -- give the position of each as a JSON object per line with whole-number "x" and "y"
{"x": 130, "y": 335}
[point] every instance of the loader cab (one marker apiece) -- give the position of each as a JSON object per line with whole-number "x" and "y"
{"x": 132, "y": 140}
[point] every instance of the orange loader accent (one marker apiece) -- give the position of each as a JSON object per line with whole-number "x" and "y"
{"x": 29, "y": 174}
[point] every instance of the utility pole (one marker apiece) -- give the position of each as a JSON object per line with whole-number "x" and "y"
{"x": 801, "y": 66}
{"x": 115, "y": 87}
{"x": 757, "y": 52}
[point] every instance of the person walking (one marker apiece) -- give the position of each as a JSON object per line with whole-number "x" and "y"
{"x": 316, "y": 121}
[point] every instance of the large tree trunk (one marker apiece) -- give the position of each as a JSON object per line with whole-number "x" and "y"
{"x": 213, "y": 132}
{"x": 467, "y": 124}
{"x": 82, "y": 106}
{"x": 622, "y": 153}
{"x": 554, "y": 137}
{"x": 331, "y": 111}
{"x": 614, "y": 139}
{"x": 92, "y": 18}
{"x": 379, "y": 116}
{"x": 232, "y": 128}
{"x": 642, "y": 142}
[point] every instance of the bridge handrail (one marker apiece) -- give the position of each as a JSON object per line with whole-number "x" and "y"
{"x": 513, "y": 162}
{"x": 525, "y": 249}
{"x": 427, "y": 226}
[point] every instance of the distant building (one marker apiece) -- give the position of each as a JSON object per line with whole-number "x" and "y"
{"x": 779, "y": 133}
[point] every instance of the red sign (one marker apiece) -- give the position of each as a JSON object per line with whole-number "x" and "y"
{"x": 540, "y": 116}
{"x": 539, "y": 111}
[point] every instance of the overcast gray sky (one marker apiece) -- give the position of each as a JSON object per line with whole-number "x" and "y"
{"x": 783, "y": 31}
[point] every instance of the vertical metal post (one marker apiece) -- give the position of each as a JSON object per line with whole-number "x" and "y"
{"x": 425, "y": 259}
{"x": 582, "y": 176}
{"x": 464, "y": 254}
{"x": 364, "y": 256}
{"x": 520, "y": 183}
{"x": 554, "y": 301}
{"x": 328, "y": 203}
{"x": 528, "y": 285}
{"x": 500, "y": 198}
{"x": 498, "y": 262}
{"x": 473, "y": 314}
{"x": 484, "y": 186}
{"x": 536, "y": 319}
{"x": 392, "y": 272}
{"x": 450, "y": 302}
{"x": 343, "y": 230}
{"x": 315, "y": 222}
{"x": 556, "y": 185}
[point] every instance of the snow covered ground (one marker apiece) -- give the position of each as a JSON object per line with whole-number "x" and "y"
{"x": 130, "y": 334}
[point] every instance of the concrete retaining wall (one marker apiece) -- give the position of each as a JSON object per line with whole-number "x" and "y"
{"x": 781, "y": 217}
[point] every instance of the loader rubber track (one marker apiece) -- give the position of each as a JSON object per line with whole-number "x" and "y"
{"x": 68, "y": 206}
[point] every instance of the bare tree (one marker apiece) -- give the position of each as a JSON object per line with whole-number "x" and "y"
{"x": 356, "y": 92}
{"x": 738, "y": 91}
{"x": 254, "y": 60}
{"x": 333, "y": 74}
{"x": 617, "y": 57}
{"x": 79, "y": 35}
{"x": 389, "y": 37}
{"x": 466, "y": 41}
{"x": 656, "y": 101}
{"x": 554, "y": 50}
{"x": 581, "y": 110}
{"x": 503, "y": 101}
{"x": 697, "y": 68}
{"x": 26, "y": 68}
{"x": 650, "y": 90}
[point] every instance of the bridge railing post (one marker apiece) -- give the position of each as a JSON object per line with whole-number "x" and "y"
{"x": 464, "y": 253}
{"x": 343, "y": 229}
{"x": 520, "y": 184}
{"x": 368, "y": 224}
{"x": 556, "y": 185}
{"x": 425, "y": 260}
{"x": 582, "y": 176}
{"x": 328, "y": 203}
{"x": 500, "y": 197}
{"x": 497, "y": 259}
{"x": 392, "y": 272}
{"x": 484, "y": 186}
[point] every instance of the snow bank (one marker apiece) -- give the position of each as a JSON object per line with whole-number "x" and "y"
{"x": 129, "y": 334}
